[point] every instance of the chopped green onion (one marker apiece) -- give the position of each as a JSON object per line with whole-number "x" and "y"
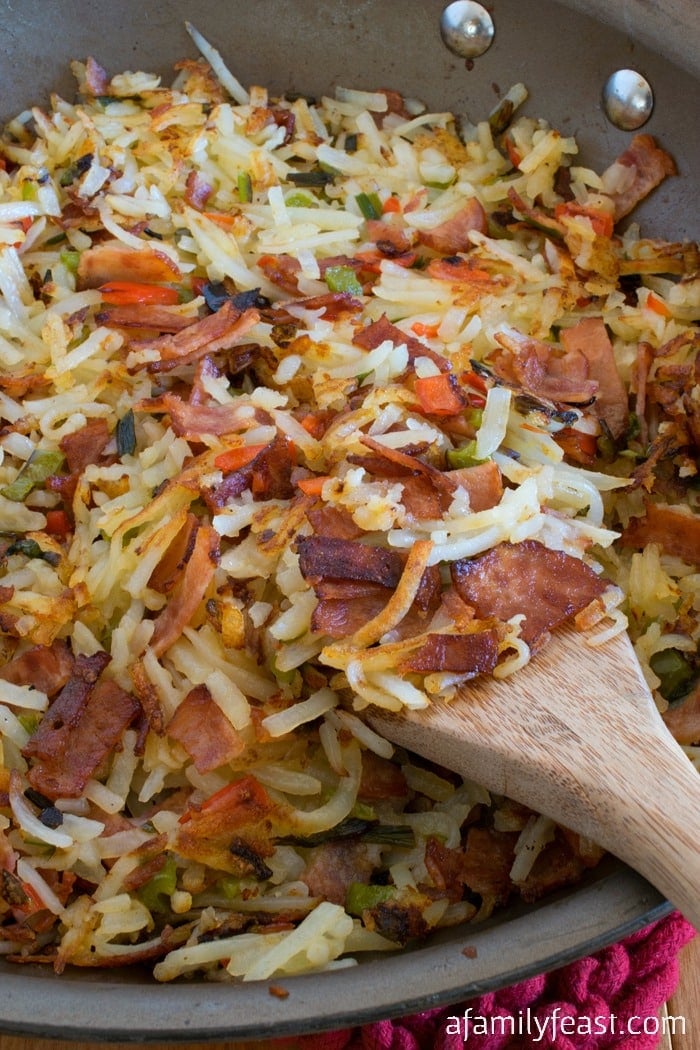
{"x": 156, "y": 893}
{"x": 361, "y": 897}
{"x": 370, "y": 205}
{"x": 245, "y": 187}
{"x": 464, "y": 456}
{"x": 40, "y": 466}
{"x": 310, "y": 178}
{"x": 75, "y": 170}
{"x": 57, "y": 239}
{"x": 230, "y": 887}
{"x": 29, "y": 721}
{"x": 674, "y": 671}
{"x": 605, "y": 445}
{"x": 301, "y": 200}
{"x": 501, "y": 116}
{"x": 342, "y": 279}
{"x": 126, "y": 435}
{"x": 285, "y": 677}
{"x": 31, "y": 549}
{"x": 390, "y": 835}
{"x": 70, "y": 260}
{"x": 346, "y": 829}
{"x": 363, "y": 812}
{"x": 440, "y": 185}
{"x": 28, "y": 191}
{"x": 633, "y": 426}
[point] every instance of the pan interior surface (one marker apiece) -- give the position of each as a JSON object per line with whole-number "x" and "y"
{"x": 563, "y": 53}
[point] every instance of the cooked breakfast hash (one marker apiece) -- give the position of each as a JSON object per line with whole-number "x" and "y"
{"x": 309, "y": 407}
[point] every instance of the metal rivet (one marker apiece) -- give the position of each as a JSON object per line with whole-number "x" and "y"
{"x": 627, "y": 99}
{"x": 467, "y": 28}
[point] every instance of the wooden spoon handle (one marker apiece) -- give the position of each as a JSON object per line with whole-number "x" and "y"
{"x": 655, "y": 823}
{"x": 575, "y": 735}
{"x": 646, "y": 816}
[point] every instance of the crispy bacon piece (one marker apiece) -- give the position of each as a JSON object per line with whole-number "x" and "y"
{"x": 145, "y": 315}
{"x": 354, "y": 582}
{"x": 663, "y": 447}
{"x": 467, "y": 654}
{"x": 46, "y": 667}
{"x": 421, "y": 497}
{"x": 19, "y": 384}
{"x": 192, "y": 421}
{"x": 427, "y": 491}
{"x": 283, "y": 270}
{"x": 146, "y": 870}
{"x": 590, "y": 338}
{"x": 197, "y": 190}
{"x": 383, "y": 233}
{"x": 81, "y": 727}
{"x": 372, "y": 335}
{"x": 386, "y": 462}
{"x": 268, "y": 476}
{"x": 170, "y": 567}
{"x": 324, "y": 556}
{"x": 149, "y": 700}
{"x": 218, "y": 331}
{"x": 675, "y": 383}
{"x": 345, "y": 606}
{"x": 678, "y": 533}
{"x": 649, "y": 164}
{"x": 381, "y": 779}
{"x": 538, "y": 369}
{"x": 206, "y": 734}
{"x": 683, "y": 718}
{"x": 547, "y": 586}
{"x": 334, "y": 865}
{"x": 96, "y": 78}
{"x": 461, "y": 270}
{"x": 333, "y": 304}
{"x": 394, "y": 103}
{"x": 86, "y": 445}
{"x": 482, "y": 866}
{"x": 557, "y": 865}
{"x": 348, "y": 607}
{"x": 196, "y": 577}
{"x": 405, "y": 462}
{"x": 334, "y": 522}
{"x": 452, "y": 236}
{"x": 114, "y": 261}
{"x": 483, "y": 483}
{"x": 68, "y": 706}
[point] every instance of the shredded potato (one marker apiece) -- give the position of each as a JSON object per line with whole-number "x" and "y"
{"x": 308, "y": 407}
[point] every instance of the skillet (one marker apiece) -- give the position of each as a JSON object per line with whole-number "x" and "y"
{"x": 563, "y": 52}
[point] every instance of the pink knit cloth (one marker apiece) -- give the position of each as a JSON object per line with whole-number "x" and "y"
{"x": 610, "y": 999}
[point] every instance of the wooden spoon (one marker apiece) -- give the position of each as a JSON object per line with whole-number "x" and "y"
{"x": 575, "y": 735}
